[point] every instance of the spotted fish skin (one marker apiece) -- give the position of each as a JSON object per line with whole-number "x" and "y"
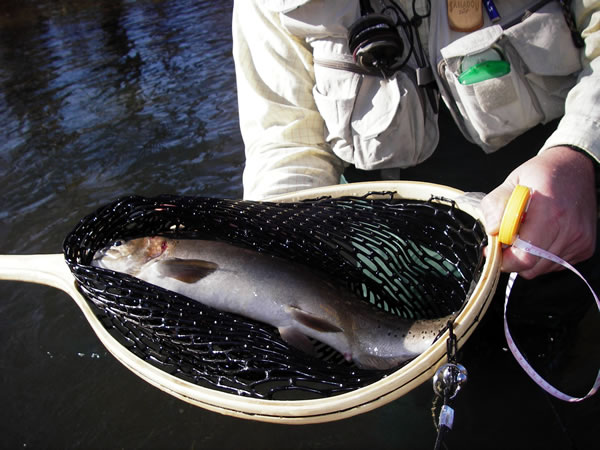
{"x": 287, "y": 295}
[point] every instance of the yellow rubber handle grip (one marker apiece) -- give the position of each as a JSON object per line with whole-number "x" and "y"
{"x": 514, "y": 214}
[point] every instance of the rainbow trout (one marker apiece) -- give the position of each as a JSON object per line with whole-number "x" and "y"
{"x": 275, "y": 291}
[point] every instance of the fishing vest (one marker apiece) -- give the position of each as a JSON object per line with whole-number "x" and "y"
{"x": 377, "y": 122}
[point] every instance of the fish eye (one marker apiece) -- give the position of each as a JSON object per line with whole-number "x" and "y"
{"x": 117, "y": 243}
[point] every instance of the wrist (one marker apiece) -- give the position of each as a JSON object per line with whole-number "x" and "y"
{"x": 595, "y": 167}
{"x": 578, "y": 158}
{"x": 582, "y": 152}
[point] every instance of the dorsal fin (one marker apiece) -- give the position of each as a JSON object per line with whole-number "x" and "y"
{"x": 313, "y": 321}
{"x": 186, "y": 270}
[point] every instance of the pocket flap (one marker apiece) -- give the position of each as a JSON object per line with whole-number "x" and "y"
{"x": 544, "y": 43}
{"x": 475, "y": 42}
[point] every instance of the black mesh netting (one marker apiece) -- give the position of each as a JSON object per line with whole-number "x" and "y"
{"x": 411, "y": 258}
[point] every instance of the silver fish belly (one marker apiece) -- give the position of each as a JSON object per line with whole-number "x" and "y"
{"x": 286, "y": 295}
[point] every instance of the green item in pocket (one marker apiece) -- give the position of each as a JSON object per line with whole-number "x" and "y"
{"x": 484, "y": 71}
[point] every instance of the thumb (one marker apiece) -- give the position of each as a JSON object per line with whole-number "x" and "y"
{"x": 493, "y": 205}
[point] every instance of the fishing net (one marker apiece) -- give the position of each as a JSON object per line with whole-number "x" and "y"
{"x": 415, "y": 259}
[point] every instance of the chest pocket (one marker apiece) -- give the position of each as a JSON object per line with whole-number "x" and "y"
{"x": 540, "y": 64}
{"x": 372, "y": 122}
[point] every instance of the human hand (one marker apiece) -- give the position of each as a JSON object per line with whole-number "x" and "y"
{"x": 562, "y": 213}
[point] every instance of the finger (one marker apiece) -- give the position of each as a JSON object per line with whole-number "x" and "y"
{"x": 517, "y": 260}
{"x": 541, "y": 268}
{"x": 525, "y": 264}
{"x": 546, "y": 265}
{"x": 493, "y": 206}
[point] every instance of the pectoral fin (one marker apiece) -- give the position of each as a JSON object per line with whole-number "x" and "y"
{"x": 297, "y": 339}
{"x": 186, "y": 270}
{"x": 313, "y": 321}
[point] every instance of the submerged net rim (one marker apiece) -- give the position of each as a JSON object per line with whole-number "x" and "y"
{"x": 362, "y": 399}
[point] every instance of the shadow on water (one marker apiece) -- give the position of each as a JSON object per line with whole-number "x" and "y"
{"x": 99, "y": 99}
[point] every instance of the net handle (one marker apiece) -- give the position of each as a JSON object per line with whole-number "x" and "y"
{"x": 50, "y": 270}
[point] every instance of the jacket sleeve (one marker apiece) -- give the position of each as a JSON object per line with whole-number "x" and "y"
{"x": 580, "y": 126}
{"x": 283, "y": 132}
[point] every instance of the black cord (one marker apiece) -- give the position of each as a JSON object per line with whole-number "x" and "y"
{"x": 411, "y": 30}
{"x": 439, "y": 441}
{"x": 365, "y": 7}
{"x": 402, "y": 21}
{"x": 418, "y": 16}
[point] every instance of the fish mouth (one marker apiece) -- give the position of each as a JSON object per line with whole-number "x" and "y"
{"x": 103, "y": 255}
{"x": 110, "y": 253}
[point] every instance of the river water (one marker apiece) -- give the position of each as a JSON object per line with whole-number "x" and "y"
{"x": 104, "y": 98}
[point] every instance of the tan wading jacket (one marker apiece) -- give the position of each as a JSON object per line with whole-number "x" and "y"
{"x": 306, "y": 112}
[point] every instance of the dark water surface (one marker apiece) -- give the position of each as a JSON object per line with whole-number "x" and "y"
{"x": 99, "y": 99}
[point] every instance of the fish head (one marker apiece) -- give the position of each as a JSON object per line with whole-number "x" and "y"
{"x": 130, "y": 256}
